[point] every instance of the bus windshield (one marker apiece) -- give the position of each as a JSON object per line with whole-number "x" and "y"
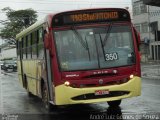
{"x": 95, "y": 47}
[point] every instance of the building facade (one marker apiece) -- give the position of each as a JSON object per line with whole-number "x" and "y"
{"x": 7, "y": 51}
{"x": 146, "y": 20}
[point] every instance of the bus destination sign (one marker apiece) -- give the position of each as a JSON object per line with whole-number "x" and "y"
{"x": 88, "y": 16}
{"x": 93, "y": 16}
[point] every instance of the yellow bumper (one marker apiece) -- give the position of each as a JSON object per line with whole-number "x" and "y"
{"x": 64, "y": 94}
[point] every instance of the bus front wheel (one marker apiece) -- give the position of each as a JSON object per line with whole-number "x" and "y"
{"x": 114, "y": 103}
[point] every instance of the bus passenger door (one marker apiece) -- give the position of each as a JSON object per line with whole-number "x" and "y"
{"x": 40, "y": 64}
{"x": 40, "y": 73}
{"x": 48, "y": 66}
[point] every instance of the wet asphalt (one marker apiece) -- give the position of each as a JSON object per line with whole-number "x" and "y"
{"x": 16, "y": 105}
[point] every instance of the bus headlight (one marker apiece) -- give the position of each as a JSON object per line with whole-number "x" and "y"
{"x": 67, "y": 83}
{"x": 131, "y": 76}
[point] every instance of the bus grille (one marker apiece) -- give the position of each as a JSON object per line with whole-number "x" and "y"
{"x": 108, "y": 83}
{"x": 93, "y": 96}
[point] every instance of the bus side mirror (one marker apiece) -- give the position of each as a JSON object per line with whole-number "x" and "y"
{"x": 47, "y": 42}
{"x": 138, "y": 37}
{"x": 46, "y": 39}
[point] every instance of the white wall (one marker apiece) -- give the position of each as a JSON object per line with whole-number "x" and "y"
{"x": 9, "y": 53}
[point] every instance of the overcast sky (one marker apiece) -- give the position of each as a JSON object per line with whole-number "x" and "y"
{"x": 44, "y": 7}
{"x": 48, "y": 6}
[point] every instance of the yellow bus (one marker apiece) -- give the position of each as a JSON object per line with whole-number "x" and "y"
{"x": 81, "y": 56}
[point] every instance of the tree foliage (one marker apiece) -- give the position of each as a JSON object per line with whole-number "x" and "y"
{"x": 17, "y": 20}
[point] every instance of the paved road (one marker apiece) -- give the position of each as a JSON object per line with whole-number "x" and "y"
{"x": 15, "y": 103}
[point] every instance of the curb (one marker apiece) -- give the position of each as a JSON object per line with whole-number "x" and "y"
{"x": 154, "y": 78}
{"x": 5, "y": 73}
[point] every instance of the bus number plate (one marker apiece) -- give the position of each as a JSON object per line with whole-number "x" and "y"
{"x": 102, "y": 92}
{"x": 111, "y": 56}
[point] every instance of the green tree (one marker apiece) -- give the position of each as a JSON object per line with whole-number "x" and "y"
{"x": 17, "y": 20}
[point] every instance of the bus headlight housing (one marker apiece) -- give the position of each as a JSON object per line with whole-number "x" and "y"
{"x": 131, "y": 76}
{"x": 67, "y": 83}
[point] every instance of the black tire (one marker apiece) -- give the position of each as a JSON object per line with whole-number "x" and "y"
{"x": 26, "y": 86}
{"x": 25, "y": 83}
{"x": 45, "y": 98}
{"x": 30, "y": 94}
{"x": 5, "y": 69}
{"x": 114, "y": 103}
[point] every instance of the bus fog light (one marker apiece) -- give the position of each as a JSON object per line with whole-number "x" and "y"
{"x": 131, "y": 76}
{"x": 67, "y": 83}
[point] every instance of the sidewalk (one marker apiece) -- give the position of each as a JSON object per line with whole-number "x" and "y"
{"x": 150, "y": 70}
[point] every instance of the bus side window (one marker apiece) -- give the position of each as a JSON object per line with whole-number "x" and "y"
{"x": 26, "y": 39}
{"x": 40, "y": 45}
{"x": 34, "y": 46}
{"x": 29, "y": 48}
{"x": 18, "y": 49}
{"x": 22, "y": 43}
{"x": 24, "y": 48}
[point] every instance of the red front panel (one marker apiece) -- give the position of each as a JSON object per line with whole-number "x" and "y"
{"x": 91, "y": 77}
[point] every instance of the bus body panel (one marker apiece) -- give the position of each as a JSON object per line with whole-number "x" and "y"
{"x": 32, "y": 69}
{"x": 64, "y": 94}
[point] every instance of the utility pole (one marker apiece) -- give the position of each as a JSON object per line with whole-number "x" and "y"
{"x": 149, "y": 34}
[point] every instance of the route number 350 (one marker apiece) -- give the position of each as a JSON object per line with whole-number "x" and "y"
{"x": 111, "y": 56}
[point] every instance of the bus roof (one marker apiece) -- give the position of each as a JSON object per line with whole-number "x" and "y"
{"x": 30, "y": 28}
{"x": 34, "y": 26}
{"x": 85, "y": 16}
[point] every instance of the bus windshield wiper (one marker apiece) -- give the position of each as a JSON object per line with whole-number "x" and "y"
{"x": 79, "y": 38}
{"x": 107, "y": 34}
{"x": 83, "y": 43}
{"x": 87, "y": 47}
{"x": 102, "y": 46}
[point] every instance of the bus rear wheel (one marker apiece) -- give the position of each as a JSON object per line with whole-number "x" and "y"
{"x": 114, "y": 103}
{"x": 45, "y": 99}
{"x": 30, "y": 94}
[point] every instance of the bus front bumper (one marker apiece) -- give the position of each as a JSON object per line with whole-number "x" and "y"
{"x": 67, "y": 95}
